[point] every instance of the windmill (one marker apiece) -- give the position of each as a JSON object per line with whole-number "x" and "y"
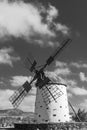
{"x": 51, "y": 98}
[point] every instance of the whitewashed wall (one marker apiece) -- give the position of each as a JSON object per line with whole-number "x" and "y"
{"x": 49, "y": 110}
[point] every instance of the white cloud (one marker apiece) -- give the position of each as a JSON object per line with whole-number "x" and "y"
{"x": 63, "y": 71}
{"x": 16, "y": 81}
{"x": 63, "y": 28}
{"x": 39, "y": 41}
{"x": 79, "y": 91}
{"x": 49, "y": 42}
{"x": 4, "y": 99}
{"x": 28, "y": 104}
{"x": 52, "y": 13}
{"x": 25, "y": 20}
{"x": 1, "y": 82}
{"x": 57, "y": 74}
{"x": 21, "y": 19}
{"x": 71, "y": 82}
{"x": 84, "y": 104}
{"x": 61, "y": 64}
{"x": 69, "y": 95}
{"x": 78, "y": 64}
{"x": 6, "y": 58}
{"x": 82, "y": 76}
{"x": 74, "y": 89}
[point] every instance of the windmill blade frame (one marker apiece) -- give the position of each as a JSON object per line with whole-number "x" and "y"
{"x": 30, "y": 63}
{"x": 20, "y": 94}
{"x": 57, "y": 51}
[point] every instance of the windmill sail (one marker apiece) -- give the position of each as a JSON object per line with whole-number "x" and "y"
{"x": 19, "y": 94}
{"x": 50, "y": 93}
{"x": 29, "y": 62}
{"x": 57, "y": 51}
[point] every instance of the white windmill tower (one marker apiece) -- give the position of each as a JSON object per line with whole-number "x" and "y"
{"x": 51, "y": 104}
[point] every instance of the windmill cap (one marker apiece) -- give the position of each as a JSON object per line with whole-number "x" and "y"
{"x": 58, "y": 84}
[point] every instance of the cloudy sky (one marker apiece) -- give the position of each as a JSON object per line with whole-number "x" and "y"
{"x": 39, "y": 27}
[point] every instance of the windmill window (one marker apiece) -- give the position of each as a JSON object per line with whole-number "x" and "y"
{"x": 58, "y": 120}
{"x": 64, "y": 115}
{"x": 39, "y": 115}
{"x": 54, "y": 114}
{"x": 46, "y": 120}
{"x": 54, "y": 109}
{"x": 40, "y": 106}
{"x": 47, "y": 108}
{"x": 60, "y": 106}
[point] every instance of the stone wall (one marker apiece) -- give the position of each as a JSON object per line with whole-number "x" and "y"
{"x": 56, "y": 126}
